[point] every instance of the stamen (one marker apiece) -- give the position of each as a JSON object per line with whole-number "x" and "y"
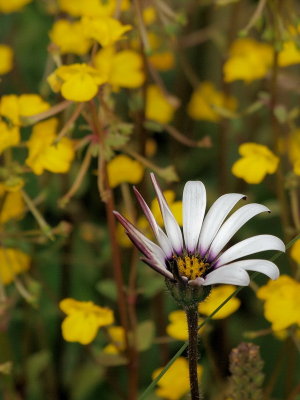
{"x": 191, "y": 266}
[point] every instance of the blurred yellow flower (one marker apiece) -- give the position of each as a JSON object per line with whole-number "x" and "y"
{"x": 257, "y": 161}
{"x": 12, "y": 263}
{"x": 162, "y": 60}
{"x": 248, "y": 60}
{"x": 177, "y": 328}
{"x": 295, "y": 251}
{"x": 289, "y": 55}
{"x": 297, "y": 167}
{"x": 9, "y": 136}
{"x": 121, "y": 69}
{"x": 203, "y": 101}
{"x": 77, "y": 82}
{"x": 123, "y": 169}
{"x": 282, "y": 302}
{"x": 12, "y": 204}
{"x": 158, "y": 108}
{"x": 149, "y": 15}
{"x": 18, "y": 108}
{"x": 216, "y": 298}
{"x": 6, "y": 59}
{"x": 44, "y": 154}
{"x": 92, "y": 8}
{"x": 69, "y": 37}
{"x": 8, "y": 6}
{"x": 117, "y": 338}
{"x": 175, "y": 383}
{"x": 84, "y": 318}
{"x": 104, "y": 30}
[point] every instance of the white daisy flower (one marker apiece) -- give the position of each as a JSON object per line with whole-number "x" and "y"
{"x": 196, "y": 256}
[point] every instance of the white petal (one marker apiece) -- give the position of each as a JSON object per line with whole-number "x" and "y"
{"x": 232, "y": 225}
{"x": 252, "y": 245}
{"x": 264, "y": 266}
{"x": 215, "y": 217}
{"x": 158, "y": 232}
{"x": 172, "y": 228}
{"x": 194, "y": 203}
{"x": 227, "y": 275}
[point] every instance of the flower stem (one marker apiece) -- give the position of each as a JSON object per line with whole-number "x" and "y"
{"x": 192, "y": 320}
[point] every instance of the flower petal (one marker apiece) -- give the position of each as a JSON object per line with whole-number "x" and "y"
{"x": 248, "y": 246}
{"x": 172, "y": 228}
{"x": 264, "y": 266}
{"x": 232, "y": 225}
{"x": 194, "y": 204}
{"x": 157, "y": 268}
{"x": 214, "y": 219}
{"x": 227, "y": 275}
{"x": 146, "y": 246}
{"x": 158, "y": 232}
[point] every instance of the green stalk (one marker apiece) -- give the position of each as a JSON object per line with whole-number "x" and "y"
{"x": 192, "y": 321}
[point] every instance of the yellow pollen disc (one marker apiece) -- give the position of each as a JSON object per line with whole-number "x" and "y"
{"x": 191, "y": 267}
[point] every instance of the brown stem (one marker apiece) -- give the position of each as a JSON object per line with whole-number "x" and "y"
{"x": 103, "y": 184}
{"x": 192, "y": 320}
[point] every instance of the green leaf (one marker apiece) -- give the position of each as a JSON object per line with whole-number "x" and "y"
{"x": 145, "y": 335}
{"x": 107, "y": 288}
{"x": 85, "y": 380}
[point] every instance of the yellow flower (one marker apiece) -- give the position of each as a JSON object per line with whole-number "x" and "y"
{"x": 282, "y": 302}
{"x": 158, "y": 108}
{"x": 177, "y": 328}
{"x": 8, "y": 6}
{"x": 289, "y": 55}
{"x": 203, "y": 101}
{"x": 104, "y": 30}
{"x": 6, "y": 59}
{"x": 77, "y": 82}
{"x": 257, "y": 161}
{"x": 117, "y": 337}
{"x": 12, "y": 263}
{"x": 297, "y": 167}
{"x": 162, "y": 60}
{"x": 216, "y": 298}
{"x": 69, "y": 37}
{"x": 18, "y": 108}
{"x": 248, "y": 60}
{"x": 92, "y": 8}
{"x": 149, "y": 15}
{"x": 175, "y": 383}
{"x": 295, "y": 251}
{"x": 9, "y": 136}
{"x": 123, "y": 169}
{"x": 44, "y": 153}
{"x": 12, "y": 204}
{"x": 122, "y": 69}
{"x": 84, "y": 318}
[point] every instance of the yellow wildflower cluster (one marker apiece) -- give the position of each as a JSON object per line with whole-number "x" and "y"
{"x": 84, "y": 319}
{"x": 158, "y": 106}
{"x": 216, "y": 298}
{"x": 281, "y": 302}
{"x": 12, "y": 5}
{"x": 12, "y": 203}
{"x": 117, "y": 340}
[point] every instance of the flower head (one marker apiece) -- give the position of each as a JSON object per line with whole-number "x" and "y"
{"x": 6, "y": 59}
{"x": 196, "y": 257}
{"x": 12, "y": 263}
